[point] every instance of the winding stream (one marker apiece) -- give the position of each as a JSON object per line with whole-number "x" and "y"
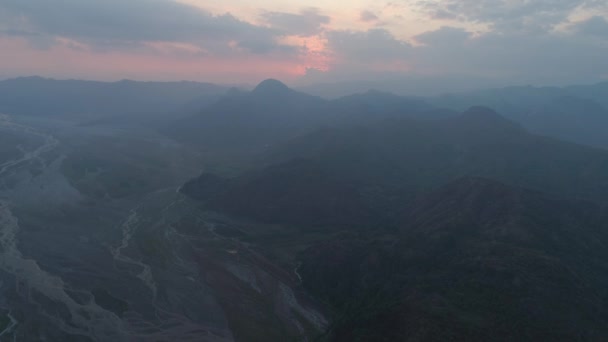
{"x": 128, "y": 229}
{"x": 55, "y": 292}
{"x": 88, "y": 319}
{"x": 85, "y": 319}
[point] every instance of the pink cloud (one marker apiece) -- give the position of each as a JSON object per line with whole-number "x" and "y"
{"x": 163, "y": 61}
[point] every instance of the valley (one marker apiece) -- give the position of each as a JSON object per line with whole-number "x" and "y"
{"x": 378, "y": 217}
{"x": 94, "y": 250}
{"x": 297, "y": 171}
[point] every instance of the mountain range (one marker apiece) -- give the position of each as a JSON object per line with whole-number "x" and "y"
{"x": 474, "y": 260}
{"x": 182, "y": 109}
{"x": 366, "y": 171}
{"x": 478, "y": 216}
{"x": 272, "y": 113}
{"x": 575, "y": 113}
{"x": 92, "y": 100}
{"x": 455, "y": 227}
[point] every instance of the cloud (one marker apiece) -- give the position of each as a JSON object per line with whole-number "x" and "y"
{"x": 507, "y": 15}
{"x": 376, "y": 45}
{"x": 444, "y": 36}
{"x": 358, "y": 55}
{"x": 306, "y": 23}
{"x": 368, "y": 16}
{"x": 594, "y": 26}
{"x": 454, "y": 58}
{"x": 112, "y": 24}
{"x": 511, "y": 41}
{"x": 35, "y": 39}
{"x": 542, "y": 58}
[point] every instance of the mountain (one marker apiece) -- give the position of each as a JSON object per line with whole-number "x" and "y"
{"x": 91, "y": 100}
{"x": 463, "y": 228}
{"x": 424, "y": 154}
{"x": 296, "y": 192}
{"x": 507, "y": 101}
{"x": 373, "y": 170}
{"x": 596, "y": 92}
{"x": 571, "y": 118}
{"x": 251, "y": 120}
{"x": 375, "y": 105}
{"x": 271, "y": 88}
{"x": 576, "y": 113}
{"x": 475, "y": 260}
{"x": 472, "y": 260}
{"x": 273, "y": 113}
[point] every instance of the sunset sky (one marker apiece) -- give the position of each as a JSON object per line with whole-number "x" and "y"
{"x": 300, "y": 42}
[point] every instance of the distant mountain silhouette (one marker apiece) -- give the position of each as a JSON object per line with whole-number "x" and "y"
{"x": 251, "y": 121}
{"x": 595, "y": 92}
{"x": 424, "y": 154}
{"x": 571, "y": 118}
{"x": 91, "y": 100}
{"x": 375, "y": 105}
{"x": 577, "y": 113}
{"x": 273, "y": 113}
{"x": 271, "y": 87}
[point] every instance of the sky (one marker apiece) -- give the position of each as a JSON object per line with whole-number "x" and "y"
{"x": 540, "y": 42}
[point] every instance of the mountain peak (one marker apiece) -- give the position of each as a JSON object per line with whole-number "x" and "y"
{"x": 271, "y": 86}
